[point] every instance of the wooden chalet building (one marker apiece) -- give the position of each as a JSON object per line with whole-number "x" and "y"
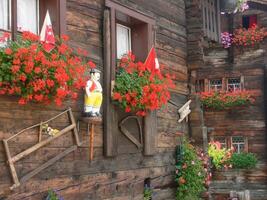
{"x": 186, "y": 35}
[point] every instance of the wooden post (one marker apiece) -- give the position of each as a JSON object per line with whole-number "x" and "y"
{"x": 150, "y": 133}
{"x": 110, "y": 116}
{"x": 11, "y": 165}
{"x": 92, "y": 134}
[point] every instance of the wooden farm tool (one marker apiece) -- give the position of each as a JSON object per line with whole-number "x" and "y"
{"x": 41, "y": 143}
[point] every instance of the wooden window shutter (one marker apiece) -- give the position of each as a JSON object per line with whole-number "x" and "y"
{"x": 57, "y": 11}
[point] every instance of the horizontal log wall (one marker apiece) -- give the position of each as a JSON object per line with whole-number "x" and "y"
{"x": 249, "y": 121}
{"x": 113, "y": 178}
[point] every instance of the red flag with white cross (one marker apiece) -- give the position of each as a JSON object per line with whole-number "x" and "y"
{"x": 47, "y": 35}
{"x": 152, "y": 60}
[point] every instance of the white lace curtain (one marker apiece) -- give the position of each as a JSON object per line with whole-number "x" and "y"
{"x": 123, "y": 40}
{"x": 4, "y": 17}
{"x": 27, "y": 15}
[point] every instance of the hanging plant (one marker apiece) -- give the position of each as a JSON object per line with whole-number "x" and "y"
{"x": 28, "y": 71}
{"x": 225, "y": 100}
{"x": 192, "y": 172}
{"x": 249, "y": 37}
{"x": 139, "y": 88}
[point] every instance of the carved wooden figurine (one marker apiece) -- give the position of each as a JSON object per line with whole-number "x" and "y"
{"x": 93, "y": 95}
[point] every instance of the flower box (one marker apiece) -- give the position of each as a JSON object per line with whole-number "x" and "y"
{"x": 140, "y": 89}
{"x": 27, "y": 70}
{"x": 225, "y": 100}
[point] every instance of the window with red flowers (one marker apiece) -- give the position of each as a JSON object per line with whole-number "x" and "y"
{"x": 28, "y": 15}
{"x": 239, "y": 143}
{"x": 249, "y": 21}
{"x": 125, "y": 29}
{"x": 230, "y": 84}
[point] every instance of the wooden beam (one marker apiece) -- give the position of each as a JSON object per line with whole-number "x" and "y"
{"x": 150, "y": 133}
{"x": 110, "y": 116}
{"x": 132, "y": 13}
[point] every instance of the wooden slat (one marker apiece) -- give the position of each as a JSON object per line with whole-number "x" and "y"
{"x": 47, "y": 164}
{"x": 109, "y": 117}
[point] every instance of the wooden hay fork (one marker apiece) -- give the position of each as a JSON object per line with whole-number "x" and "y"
{"x": 12, "y": 160}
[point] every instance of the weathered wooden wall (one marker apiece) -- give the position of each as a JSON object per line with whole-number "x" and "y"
{"x": 247, "y": 121}
{"x": 113, "y": 178}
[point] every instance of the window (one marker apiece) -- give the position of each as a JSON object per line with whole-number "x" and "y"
{"x": 233, "y": 84}
{"x": 28, "y": 15}
{"x": 4, "y": 15}
{"x": 123, "y": 40}
{"x": 211, "y": 19}
{"x": 215, "y": 85}
{"x": 249, "y": 21}
{"x": 125, "y": 29}
{"x": 222, "y": 141}
{"x": 238, "y": 142}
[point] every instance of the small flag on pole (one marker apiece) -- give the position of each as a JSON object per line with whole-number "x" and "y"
{"x": 152, "y": 60}
{"x": 47, "y": 35}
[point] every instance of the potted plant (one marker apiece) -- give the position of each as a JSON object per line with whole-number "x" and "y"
{"x": 140, "y": 89}
{"x": 226, "y": 100}
{"x": 35, "y": 75}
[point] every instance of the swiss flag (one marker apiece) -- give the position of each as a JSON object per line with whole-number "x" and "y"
{"x": 152, "y": 60}
{"x": 47, "y": 35}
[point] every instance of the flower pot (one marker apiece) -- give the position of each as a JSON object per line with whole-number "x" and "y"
{"x": 228, "y": 6}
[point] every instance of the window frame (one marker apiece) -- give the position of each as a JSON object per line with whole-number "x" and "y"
{"x": 207, "y": 81}
{"x": 129, "y": 38}
{"x": 61, "y": 19}
{"x": 216, "y": 89}
{"x": 234, "y": 84}
{"x": 229, "y": 141}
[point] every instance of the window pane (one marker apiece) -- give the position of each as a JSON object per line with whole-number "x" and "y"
{"x": 123, "y": 40}
{"x": 28, "y": 15}
{"x": 215, "y": 85}
{"x": 233, "y": 84}
{"x": 4, "y": 14}
{"x": 222, "y": 141}
{"x": 238, "y": 143}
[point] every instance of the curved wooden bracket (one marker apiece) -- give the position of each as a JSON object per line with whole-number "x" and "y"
{"x": 139, "y": 144}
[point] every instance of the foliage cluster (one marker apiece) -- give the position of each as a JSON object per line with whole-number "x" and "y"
{"x": 220, "y": 156}
{"x": 243, "y": 160}
{"x": 249, "y": 37}
{"x": 225, "y": 100}
{"x": 53, "y": 195}
{"x": 192, "y": 172}
{"x": 28, "y": 71}
{"x": 138, "y": 88}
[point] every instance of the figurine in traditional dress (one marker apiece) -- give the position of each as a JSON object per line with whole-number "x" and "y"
{"x": 93, "y": 95}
